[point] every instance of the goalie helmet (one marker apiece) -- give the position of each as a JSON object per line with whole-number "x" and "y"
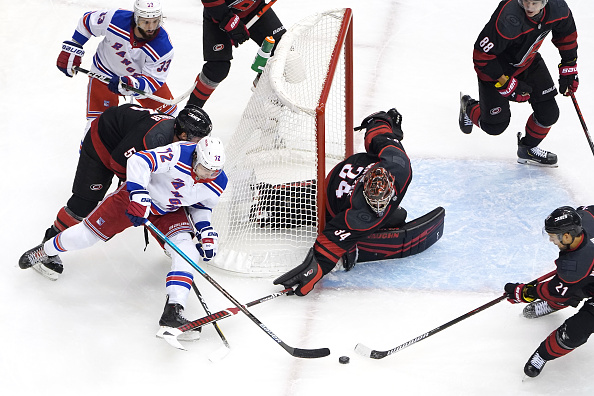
{"x": 148, "y": 9}
{"x": 209, "y": 158}
{"x": 564, "y": 220}
{"x": 193, "y": 121}
{"x": 378, "y": 189}
{"x": 544, "y": 2}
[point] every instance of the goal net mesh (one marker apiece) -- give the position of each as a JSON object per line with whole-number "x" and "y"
{"x": 267, "y": 218}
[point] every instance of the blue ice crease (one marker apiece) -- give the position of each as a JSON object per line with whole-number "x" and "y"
{"x": 492, "y": 234}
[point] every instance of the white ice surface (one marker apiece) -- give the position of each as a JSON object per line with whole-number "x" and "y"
{"x": 92, "y": 331}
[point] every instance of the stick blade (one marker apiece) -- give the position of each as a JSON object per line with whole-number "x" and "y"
{"x": 310, "y": 353}
{"x": 368, "y": 352}
{"x": 219, "y": 354}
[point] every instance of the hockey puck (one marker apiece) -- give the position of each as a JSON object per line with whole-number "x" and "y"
{"x": 344, "y": 360}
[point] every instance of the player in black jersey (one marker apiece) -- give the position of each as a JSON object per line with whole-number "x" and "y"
{"x": 223, "y": 27}
{"x": 364, "y": 221}
{"x": 510, "y": 68}
{"x": 112, "y": 138}
{"x": 570, "y": 230}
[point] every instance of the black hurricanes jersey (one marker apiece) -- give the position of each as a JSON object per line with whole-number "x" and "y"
{"x": 509, "y": 42}
{"x": 123, "y": 130}
{"x": 349, "y": 219}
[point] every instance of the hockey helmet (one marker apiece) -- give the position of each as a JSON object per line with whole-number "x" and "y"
{"x": 193, "y": 121}
{"x": 562, "y": 220}
{"x": 148, "y": 9}
{"x": 544, "y": 2}
{"x": 209, "y": 158}
{"x": 378, "y": 189}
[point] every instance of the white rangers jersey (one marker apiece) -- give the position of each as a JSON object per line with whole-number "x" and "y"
{"x": 120, "y": 54}
{"x": 166, "y": 173}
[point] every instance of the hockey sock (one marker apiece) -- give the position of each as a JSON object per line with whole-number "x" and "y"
{"x": 535, "y": 132}
{"x": 204, "y": 88}
{"x": 66, "y": 218}
{"x": 474, "y": 113}
{"x": 552, "y": 347}
{"x": 76, "y": 237}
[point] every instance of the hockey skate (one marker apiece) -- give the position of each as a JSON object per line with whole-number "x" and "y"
{"x": 534, "y": 155}
{"x": 534, "y": 365}
{"x": 172, "y": 318}
{"x": 463, "y": 120}
{"x": 49, "y": 266}
{"x": 536, "y": 309}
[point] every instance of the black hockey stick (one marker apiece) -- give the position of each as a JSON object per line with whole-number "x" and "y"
{"x": 224, "y": 350}
{"x": 171, "y": 335}
{"x": 296, "y": 352}
{"x": 374, "y": 354}
{"x": 156, "y": 98}
{"x": 581, "y": 117}
{"x": 259, "y": 14}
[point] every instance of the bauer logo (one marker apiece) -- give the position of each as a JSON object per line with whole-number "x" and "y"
{"x": 495, "y": 111}
{"x": 218, "y": 47}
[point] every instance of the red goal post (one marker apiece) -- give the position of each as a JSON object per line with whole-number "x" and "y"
{"x": 296, "y": 127}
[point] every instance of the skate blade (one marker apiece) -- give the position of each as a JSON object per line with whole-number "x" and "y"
{"x": 46, "y": 272}
{"x": 173, "y": 336}
{"x": 535, "y": 163}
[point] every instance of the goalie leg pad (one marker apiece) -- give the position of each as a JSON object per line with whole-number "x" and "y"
{"x": 412, "y": 238}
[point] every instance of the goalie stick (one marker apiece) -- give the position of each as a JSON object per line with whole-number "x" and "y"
{"x": 223, "y": 351}
{"x": 375, "y": 354}
{"x": 171, "y": 335}
{"x": 296, "y": 352}
{"x": 156, "y": 98}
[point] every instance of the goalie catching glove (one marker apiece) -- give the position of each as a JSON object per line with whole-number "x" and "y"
{"x": 305, "y": 276}
{"x": 392, "y": 117}
{"x": 208, "y": 243}
{"x": 520, "y": 293}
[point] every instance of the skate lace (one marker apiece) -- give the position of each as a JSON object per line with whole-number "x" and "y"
{"x": 37, "y": 256}
{"x": 467, "y": 120}
{"x": 537, "y": 361}
{"x": 542, "y": 308}
{"x": 538, "y": 152}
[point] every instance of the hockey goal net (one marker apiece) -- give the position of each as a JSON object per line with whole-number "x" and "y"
{"x": 295, "y": 128}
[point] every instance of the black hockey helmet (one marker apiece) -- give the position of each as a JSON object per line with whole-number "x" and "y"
{"x": 193, "y": 121}
{"x": 564, "y": 219}
{"x": 378, "y": 189}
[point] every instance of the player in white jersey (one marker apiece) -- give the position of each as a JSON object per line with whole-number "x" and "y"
{"x": 164, "y": 185}
{"x": 135, "y": 50}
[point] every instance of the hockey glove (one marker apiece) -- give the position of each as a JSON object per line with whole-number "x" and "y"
{"x": 70, "y": 56}
{"x": 208, "y": 243}
{"x": 568, "y": 77}
{"x": 392, "y": 117}
{"x": 139, "y": 207}
{"x": 305, "y": 275}
{"x": 235, "y": 29}
{"x": 116, "y": 85}
{"x": 519, "y": 293}
{"x": 514, "y": 90}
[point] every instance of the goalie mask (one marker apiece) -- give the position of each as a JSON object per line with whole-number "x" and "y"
{"x": 378, "y": 189}
{"x": 209, "y": 158}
